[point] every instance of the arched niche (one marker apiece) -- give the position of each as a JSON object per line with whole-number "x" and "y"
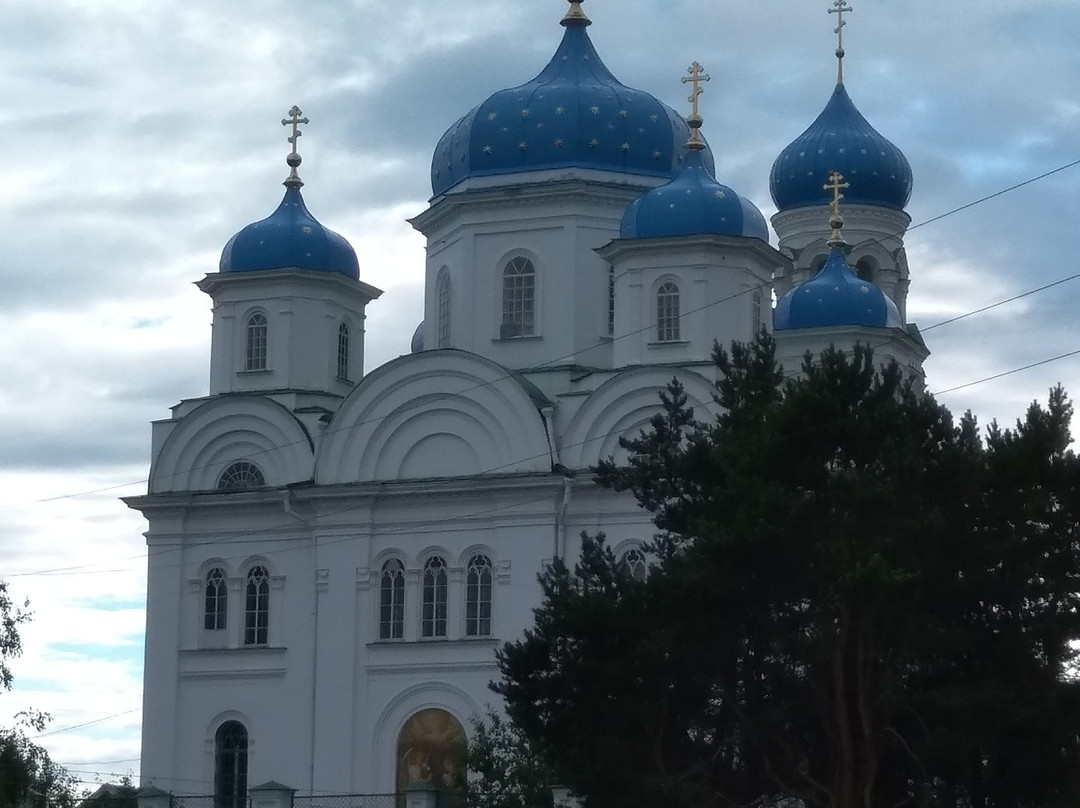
{"x": 435, "y": 414}
{"x": 226, "y": 430}
{"x": 623, "y": 406}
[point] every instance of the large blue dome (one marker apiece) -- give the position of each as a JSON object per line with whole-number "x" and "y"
{"x": 834, "y": 297}
{"x": 574, "y": 114}
{"x": 693, "y": 203}
{"x": 289, "y": 237}
{"x": 842, "y": 140}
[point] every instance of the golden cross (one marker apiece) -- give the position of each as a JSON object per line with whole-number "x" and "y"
{"x": 839, "y": 7}
{"x": 836, "y": 184}
{"x": 695, "y": 78}
{"x": 294, "y": 120}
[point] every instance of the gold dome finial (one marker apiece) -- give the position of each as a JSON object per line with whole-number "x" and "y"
{"x": 836, "y": 184}
{"x": 695, "y": 77}
{"x": 575, "y": 16}
{"x": 839, "y": 7}
{"x": 294, "y": 120}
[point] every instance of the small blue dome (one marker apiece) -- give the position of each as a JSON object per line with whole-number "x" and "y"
{"x": 835, "y": 296}
{"x": 692, "y": 203}
{"x": 416, "y": 344}
{"x": 289, "y": 237}
{"x": 575, "y": 114}
{"x": 841, "y": 140}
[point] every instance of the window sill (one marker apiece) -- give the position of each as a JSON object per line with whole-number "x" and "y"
{"x": 668, "y": 343}
{"x": 522, "y": 338}
{"x": 415, "y": 641}
{"x": 254, "y": 372}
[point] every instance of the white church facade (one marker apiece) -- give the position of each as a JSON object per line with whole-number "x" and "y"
{"x": 335, "y": 552}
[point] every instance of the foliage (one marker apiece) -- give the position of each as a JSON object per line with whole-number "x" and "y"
{"x": 855, "y": 602}
{"x": 112, "y": 795}
{"x": 26, "y": 769}
{"x": 504, "y": 770}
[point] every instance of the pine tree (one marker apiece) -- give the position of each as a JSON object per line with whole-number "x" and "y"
{"x": 856, "y": 602}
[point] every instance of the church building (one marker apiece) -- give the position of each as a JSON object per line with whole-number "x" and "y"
{"x": 335, "y": 551}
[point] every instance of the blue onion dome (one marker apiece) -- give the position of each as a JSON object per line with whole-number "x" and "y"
{"x": 290, "y": 237}
{"x": 841, "y": 139}
{"x": 693, "y": 203}
{"x": 575, "y": 114}
{"x": 836, "y": 296}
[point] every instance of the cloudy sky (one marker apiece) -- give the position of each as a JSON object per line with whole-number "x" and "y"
{"x": 140, "y": 134}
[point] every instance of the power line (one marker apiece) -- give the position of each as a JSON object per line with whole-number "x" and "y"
{"x": 567, "y": 357}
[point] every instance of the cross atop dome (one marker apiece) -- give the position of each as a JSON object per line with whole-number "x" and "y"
{"x": 836, "y": 184}
{"x": 294, "y": 120}
{"x": 575, "y": 16}
{"x": 694, "y": 121}
{"x": 839, "y": 8}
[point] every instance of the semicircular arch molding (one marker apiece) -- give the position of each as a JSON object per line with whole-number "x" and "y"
{"x": 424, "y": 696}
{"x": 222, "y": 431}
{"x": 623, "y": 406}
{"x": 435, "y": 414}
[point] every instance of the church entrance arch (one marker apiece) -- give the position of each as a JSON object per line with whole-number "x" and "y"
{"x": 431, "y": 753}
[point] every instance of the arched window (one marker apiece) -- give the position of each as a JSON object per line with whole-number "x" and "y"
{"x": 392, "y": 601}
{"x": 433, "y": 619}
{"x": 431, "y": 754}
{"x": 755, "y": 312}
{"x": 611, "y": 299}
{"x": 257, "y": 607}
{"x": 865, "y": 269}
{"x": 667, "y": 312}
{"x": 217, "y": 600}
{"x": 242, "y": 475}
{"x": 255, "y": 347}
{"x": 519, "y": 299}
{"x": 634, "y": 564}
{"x": 444, "y": 309}
{"x": 478, "y": 597}
{"x": 230, "y": 765}
{"x": 343, "y": 351}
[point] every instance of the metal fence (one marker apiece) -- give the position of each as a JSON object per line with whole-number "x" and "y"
{"x": 346, "y": 801}
{"x": 200, "y": 801}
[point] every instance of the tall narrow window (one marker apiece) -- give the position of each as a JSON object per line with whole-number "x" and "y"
{"x": 755, "y": 312}
{"x": 242, "y": 475}
{"x": 667, "y": 312}
{"x": 478, "y": 597}
{"x": 230, "y": 765}
{"x": 444, "y": 308}
{"x": 611, "y": 300}
{"x": 217, "y": 600}
{"x": 343, "y": 351}
{"x": 633, "y": 564}
{"x": 257, "y": 607}
{"x": 433, "y": 619}
{"x": 255, "y": 349}
{"x": 392, "y": 601}
{"x": 519, "y": 299}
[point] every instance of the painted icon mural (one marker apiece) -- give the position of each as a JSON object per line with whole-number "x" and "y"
{"x": 431, "y": 752}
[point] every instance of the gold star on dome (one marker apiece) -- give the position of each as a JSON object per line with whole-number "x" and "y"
{"x": 559, "y": 143}
{"x": 594, "y": 110}
{"x": 594, "y": 143}
{"x": 657, "y": 155}
{"x": 720, "y": 194}
{"x": 623, "y": 113}
{"x": 523, "y": 145}
{"x": 654, "y": 118}
{"x": 487, "y": 150}
{"x": 524, "y": 113}
{"x": 560, "y": 110}
{"x": 492, "y": 116}
{"x": 626, "y": 147}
